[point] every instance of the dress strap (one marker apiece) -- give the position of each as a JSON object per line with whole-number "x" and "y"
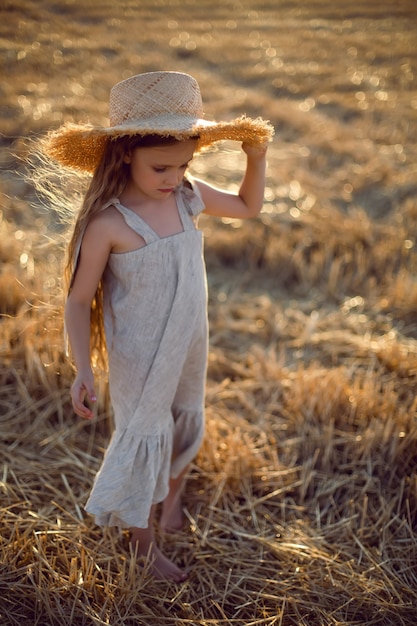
{"x": 190, "y": 203}
{"x": 134, "y": 222}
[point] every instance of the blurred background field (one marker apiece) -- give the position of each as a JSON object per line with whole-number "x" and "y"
{"x": 302, "y": 503}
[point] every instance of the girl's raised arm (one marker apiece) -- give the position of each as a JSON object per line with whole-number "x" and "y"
{"x": 248, "y": 202}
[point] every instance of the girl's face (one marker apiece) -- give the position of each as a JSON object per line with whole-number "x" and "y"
{"x": 156, "y": 171}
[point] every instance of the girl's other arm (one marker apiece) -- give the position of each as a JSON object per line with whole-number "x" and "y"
{"x": 248, "y": 202}
{"x": 94, "y": 253}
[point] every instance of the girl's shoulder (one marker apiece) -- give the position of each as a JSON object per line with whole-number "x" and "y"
{"x": 106, "y": 216}
{"x": 109, "y": 229}
{"x": 104, "y": 224}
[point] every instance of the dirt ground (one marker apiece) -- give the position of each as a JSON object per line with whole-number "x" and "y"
{"x": 302, "y": 503}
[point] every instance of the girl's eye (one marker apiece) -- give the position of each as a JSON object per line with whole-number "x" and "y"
{"x": 159, "y": 170}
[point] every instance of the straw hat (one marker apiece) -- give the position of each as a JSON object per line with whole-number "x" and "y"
{"x": 161, "y": 103}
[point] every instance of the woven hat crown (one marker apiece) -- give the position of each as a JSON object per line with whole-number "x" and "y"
{"x": 153, "y": 95}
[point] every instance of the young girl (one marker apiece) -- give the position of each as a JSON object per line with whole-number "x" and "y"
{"x": 136, "y": 276}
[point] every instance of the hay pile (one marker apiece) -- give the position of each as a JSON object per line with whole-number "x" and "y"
{"x": 302, "y": 503}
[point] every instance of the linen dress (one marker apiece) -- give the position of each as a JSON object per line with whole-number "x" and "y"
{"x": 155, "y": 312}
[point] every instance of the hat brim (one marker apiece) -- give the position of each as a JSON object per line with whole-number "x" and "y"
{"x": 81, "y": 147}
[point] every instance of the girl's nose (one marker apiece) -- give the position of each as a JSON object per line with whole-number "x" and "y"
{"x": 173, "y": 178}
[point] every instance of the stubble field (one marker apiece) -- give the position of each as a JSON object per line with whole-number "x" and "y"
{"x": 302, "y": 503}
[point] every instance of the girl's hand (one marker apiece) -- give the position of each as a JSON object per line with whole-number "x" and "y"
{"x": 81, "y": 390}
{"x": 255, "y": 151}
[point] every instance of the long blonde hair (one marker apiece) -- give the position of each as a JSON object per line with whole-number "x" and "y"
{"x": 108, "y": 181}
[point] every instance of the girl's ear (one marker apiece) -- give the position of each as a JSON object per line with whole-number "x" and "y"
{"x": 127, "y": 157}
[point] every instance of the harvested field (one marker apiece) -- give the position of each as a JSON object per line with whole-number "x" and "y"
{"x": 302, "y": 503}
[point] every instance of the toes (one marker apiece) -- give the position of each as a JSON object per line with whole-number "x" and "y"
{"x": 172, "y": 573}
{"x": 182, "y": 577}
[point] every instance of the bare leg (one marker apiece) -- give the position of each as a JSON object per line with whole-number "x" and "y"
{"x": 171, "y": 516}
{"x": 143, "y": 541}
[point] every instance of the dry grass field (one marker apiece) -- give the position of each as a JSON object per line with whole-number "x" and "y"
{"x": 302, "y": 503}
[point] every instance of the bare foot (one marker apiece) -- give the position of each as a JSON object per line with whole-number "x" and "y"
{"x": 161, "y": 568}
{"x": 164, "y": 569}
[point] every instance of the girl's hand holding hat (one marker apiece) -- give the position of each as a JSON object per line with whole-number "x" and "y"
{"x": 257, "y": 150}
